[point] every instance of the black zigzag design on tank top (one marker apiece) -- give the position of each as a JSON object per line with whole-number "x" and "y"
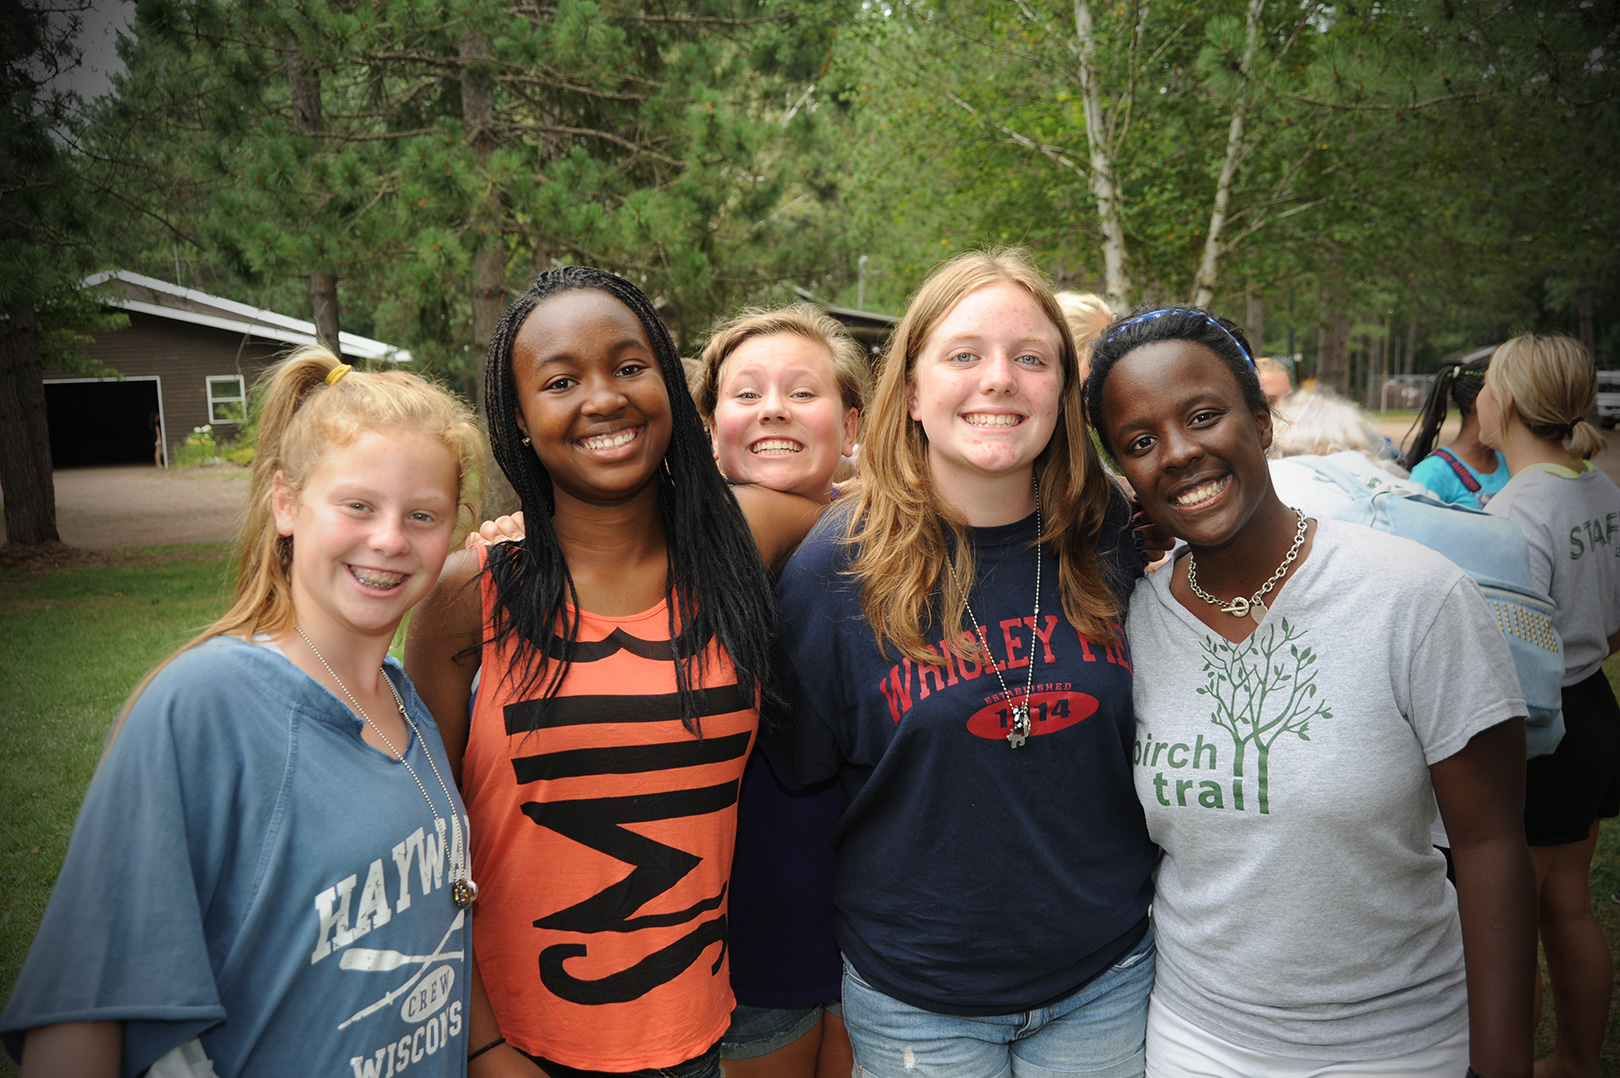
{"x": 600, "y": 822}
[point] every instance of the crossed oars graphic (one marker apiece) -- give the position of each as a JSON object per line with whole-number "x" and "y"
{"x": 381, "y": 961}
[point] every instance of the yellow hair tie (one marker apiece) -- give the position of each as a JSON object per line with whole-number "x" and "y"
{"x": 337, "y": 373}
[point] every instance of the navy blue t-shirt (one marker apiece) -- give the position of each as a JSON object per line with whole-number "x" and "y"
{"x": 973, "y": 878}
{"x": 783, "y": 952}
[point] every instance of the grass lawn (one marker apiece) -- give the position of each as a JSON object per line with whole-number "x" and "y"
{"x": 75, "y": 641}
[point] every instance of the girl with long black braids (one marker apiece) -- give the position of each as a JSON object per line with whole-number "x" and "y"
{"x": 1466, "y": 472}
{"x": 621, "y": 649}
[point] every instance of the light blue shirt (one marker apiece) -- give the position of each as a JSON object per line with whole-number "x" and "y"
{"x": 1437, "y": 474}
{"x": 245, "y": 867}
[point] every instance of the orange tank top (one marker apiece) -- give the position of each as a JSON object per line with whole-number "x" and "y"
{"x": 602, "y": 834}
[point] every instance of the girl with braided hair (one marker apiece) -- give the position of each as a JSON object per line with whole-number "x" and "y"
{"x": 621, "y": 648}
{"x": 1466, "y": 472}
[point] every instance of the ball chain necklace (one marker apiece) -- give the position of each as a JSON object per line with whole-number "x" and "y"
{"x": 463, "y": 891}
{"x": 1018, "y": 728}
{"x": 1252, "y": 607}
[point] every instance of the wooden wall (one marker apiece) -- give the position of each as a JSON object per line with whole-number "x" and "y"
{"x": 183, "y": 356}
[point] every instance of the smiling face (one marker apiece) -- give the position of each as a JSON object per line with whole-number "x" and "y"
{"x": 591, "y": 398}
{"x": 1187, "y": 441}
{"x": 779, "y": 420}
{"x": 370, "y": 530}
{"x": 986, "y": 388}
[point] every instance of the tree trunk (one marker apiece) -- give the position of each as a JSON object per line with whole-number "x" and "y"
{"x": 1409, "y": 358}
{"x": 323, "y": 300}
{"x": 25, "y": 442}
{"x": 1116, "y": 278}
{"x": 1378, "y": 367}
{"x": 1583, "y": 304}
{"x": 539, "y": 259}
{"x": 1385, "y": 362}
{"x": 1209, "y": 265}
{"x": 489, "y": 247}
{"x": 1255, "y": 321}
{"x": 304, "y": 88}
{"x": 1332, "y": 339}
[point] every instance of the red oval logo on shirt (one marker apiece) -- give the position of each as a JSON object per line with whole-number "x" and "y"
{"x": 1049, "y": 712}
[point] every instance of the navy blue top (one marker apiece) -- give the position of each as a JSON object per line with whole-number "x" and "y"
{"x": 783, "y": 953}
{"x": 973, "y": 878}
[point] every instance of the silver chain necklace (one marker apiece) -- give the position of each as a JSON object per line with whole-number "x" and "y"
{"x": 1252, "y": 607}
{"x": 463, "y": 891}
{"x": 1019, "y": 726}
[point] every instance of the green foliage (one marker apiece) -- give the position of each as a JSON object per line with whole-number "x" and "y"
{"x": 665, "y": 144}
{"x": 1440, "y": 161}
{"x": 68, "y": 322}
{"x": 199, "y": 449}
{"x": 1434, "y": 161}
{"x": 45, "y": 220}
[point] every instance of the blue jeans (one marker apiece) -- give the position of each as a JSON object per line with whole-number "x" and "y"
{"x": 759, "y": 1031}
{"x": 1096, "y": 1031}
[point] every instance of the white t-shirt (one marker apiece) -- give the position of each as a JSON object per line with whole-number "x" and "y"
{"x": 1300, "y": 907}
{"x": 1573, "y": 528}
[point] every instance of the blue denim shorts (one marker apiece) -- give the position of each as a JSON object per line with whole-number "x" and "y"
{"x": 759, "y": 1031}
{"x": 1097, "y": 1031}
{"x": 706, "y": 1065}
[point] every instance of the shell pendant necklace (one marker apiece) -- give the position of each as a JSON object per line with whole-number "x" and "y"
{"x": 463, "y": 891}
{"x": 1254, "y": 606}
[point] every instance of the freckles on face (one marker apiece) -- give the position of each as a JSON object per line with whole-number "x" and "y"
{"x": 987, "y": 387}
{"x": 779, "y": 418}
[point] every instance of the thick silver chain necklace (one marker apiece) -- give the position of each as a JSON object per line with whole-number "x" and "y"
{"x": 1252, "y": 607}
{"x": 463, "y": 891}
{"x": 1019, "y": 726}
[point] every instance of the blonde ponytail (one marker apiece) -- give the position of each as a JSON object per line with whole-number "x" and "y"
{"x": 312, "y": 404}
{"x": 1551, "y": 382}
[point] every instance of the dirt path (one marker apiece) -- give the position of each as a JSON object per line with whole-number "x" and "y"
{"x": 139, "y": 505}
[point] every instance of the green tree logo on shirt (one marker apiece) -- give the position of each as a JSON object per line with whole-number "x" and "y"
{"x": 1262, "y": 688}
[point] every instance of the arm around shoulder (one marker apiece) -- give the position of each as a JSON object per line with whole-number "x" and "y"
{"x": 443, "y": 627}
{"x": 779, "y": 521}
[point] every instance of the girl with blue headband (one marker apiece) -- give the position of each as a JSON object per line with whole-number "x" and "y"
{"x": 1306, "y": 692}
